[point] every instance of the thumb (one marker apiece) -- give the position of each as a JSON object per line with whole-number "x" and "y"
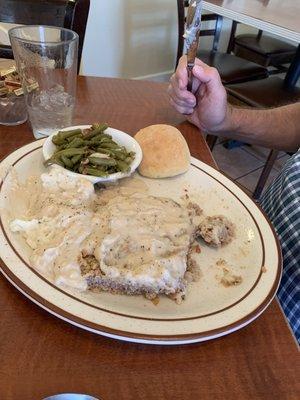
{"x": 207, "y": 75}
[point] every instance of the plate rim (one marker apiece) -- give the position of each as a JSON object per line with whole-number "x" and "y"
{"x": 40, "y": 276}
{"x": 144, "y": 338}
{"x": 141, "y": 337}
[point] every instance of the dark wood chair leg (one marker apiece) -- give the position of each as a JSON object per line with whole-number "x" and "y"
{"x": 232, "y": 37}
{"x": 265, "y": 174}
{"x": 293, "y": 73}
{"x": 181, "y": 4}
{"x": 211, "y": 141}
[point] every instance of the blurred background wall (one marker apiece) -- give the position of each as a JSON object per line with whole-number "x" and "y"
{"x": 130, "y": 38}
{"x": 135, "y": 38}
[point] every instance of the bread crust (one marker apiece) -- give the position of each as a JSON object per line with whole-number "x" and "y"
{"x": 165, "y": 151}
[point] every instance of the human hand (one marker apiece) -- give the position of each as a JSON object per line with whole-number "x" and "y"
{"x": 206, "y": 106}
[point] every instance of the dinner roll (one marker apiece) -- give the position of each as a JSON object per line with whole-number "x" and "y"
{"x": 165, "y": 151}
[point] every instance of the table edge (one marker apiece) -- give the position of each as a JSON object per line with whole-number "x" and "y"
{"x": 252, "y": 21}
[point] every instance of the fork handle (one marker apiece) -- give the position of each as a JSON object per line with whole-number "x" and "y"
{"x": 190, "y": 77}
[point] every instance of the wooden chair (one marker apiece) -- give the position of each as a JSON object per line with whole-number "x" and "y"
{"x": 261, "y": 49}
{"x": 232, "y": 69}
{"x": 71, "y": 14}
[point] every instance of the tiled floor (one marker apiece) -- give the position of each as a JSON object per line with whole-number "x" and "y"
{"x": 245, "y": 164}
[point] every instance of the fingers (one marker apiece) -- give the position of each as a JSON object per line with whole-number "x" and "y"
{"x": 181, "y": 73}
{"x": 181, "y": 109}
{"x": 201, "y": 71}
{"x": 180, "y": 94}
{"x": 205, "y": 77}
{"x": 202, "y": 74}
{"x": 179, "y": 99}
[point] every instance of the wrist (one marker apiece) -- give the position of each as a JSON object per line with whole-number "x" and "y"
{"x": 229, "y": 122}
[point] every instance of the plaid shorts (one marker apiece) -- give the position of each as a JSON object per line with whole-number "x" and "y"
{"x": 281, "y": 202}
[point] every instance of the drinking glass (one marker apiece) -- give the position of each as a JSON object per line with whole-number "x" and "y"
{"x": 46, "y": 58}
{"x": 70, "y": 396}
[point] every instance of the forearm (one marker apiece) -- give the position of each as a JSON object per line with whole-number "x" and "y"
{"x": 277, "y": 128}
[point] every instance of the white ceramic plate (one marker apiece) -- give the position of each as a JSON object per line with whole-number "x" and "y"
{"x": 210, "y": 309}
{"x": 119, "y": 137}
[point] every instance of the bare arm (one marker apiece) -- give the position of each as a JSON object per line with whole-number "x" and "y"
{"x": 207, "y": 108}
{"x": 277, "y": 128}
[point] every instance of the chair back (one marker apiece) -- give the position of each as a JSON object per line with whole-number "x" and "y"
{"x": 231, "y": 42}
{"x": 70, "y": 14}
{"x": 182, "y": 5}
{"x": 216, "y": 32}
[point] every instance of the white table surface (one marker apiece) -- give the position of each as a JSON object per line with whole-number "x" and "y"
{"x": 279, "y": 17}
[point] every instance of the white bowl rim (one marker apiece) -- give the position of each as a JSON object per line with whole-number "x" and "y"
{"x": 95, "y": 179}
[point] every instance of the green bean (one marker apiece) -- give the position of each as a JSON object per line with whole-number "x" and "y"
{"x": 123, "y": 166}
{"x": 114, "y": 153}
{"x": 104, "y": 151}
{"x": 76, "y": 159}
{"x": 68, "y": 163}
{"x": 95, "y": 172}
{"x": 102, "y": 161}
{"x": 75, "y": 150}
{"x": 97, "y": 125}
{"x": 128, "y": 160}
{"x": 67, "y": 134}
{"x": 92, "y": 171}
{"x": 91, "y": 134}
{"x": 110, "y": 145}
{"x": 53, "y": 160}
{"x": 58, "y": 162}
{"x": 57, "y": 141}
{"x": 100, "y": 127}
{"x": 76, "y": 167}
{"x": 105, "y": 136}
{"x": 71, "y": 152}
{"x": 71, "y": 138}
{"x": 61, "y": 147}
{"x": 120, "y": 155}
{"x": 94, "y": 132}
{"x": 96, "y": 141}
{"x": 76, "y": 142}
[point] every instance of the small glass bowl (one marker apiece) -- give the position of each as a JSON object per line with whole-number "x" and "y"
{"x": 12, "y": 110}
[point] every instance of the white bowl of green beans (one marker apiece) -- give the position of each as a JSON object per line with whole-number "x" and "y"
{"x": 96, "y": 152}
